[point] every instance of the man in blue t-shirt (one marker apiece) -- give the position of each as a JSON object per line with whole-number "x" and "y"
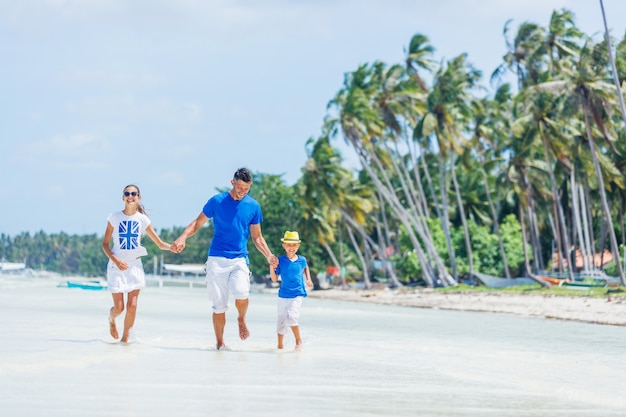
{"x": 236, "y": 216}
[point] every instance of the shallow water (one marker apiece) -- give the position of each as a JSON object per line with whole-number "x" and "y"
{"x": 57, "y": 359}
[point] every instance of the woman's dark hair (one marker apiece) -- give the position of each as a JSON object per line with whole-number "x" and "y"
{"x": 140, "y": 207}
{"x": 242, "y": 174}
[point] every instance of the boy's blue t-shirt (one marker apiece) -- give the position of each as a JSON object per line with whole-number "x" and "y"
{"x": 231, "y": 224}
{"x": 292, "y": 276}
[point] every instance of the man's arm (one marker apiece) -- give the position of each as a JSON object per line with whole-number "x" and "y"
{"x": 261, "y": 244}
{"x": 194, "y": 226}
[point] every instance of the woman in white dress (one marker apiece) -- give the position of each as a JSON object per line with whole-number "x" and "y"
{"x": 125, "y": 273}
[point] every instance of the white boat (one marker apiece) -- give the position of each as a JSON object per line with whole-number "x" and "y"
{"x": 11, "y": 266}
{"x": 194, "y": 269}
{"x": 498, "y": 282}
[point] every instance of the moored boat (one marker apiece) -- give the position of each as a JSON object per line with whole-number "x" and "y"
{"x": 498, "y": 282}
{"x": 88, "y": 285}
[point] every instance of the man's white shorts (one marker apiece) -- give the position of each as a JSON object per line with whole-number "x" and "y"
{"x": 224, "y": 275}
{"x": 288, "y": 313}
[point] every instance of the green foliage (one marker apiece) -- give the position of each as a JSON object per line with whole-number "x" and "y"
{"x": 485, "y": 247}
{"x": 511, "y": 232}
{"x": 408, "y": 266}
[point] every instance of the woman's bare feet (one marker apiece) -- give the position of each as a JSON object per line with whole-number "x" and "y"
{"x": 113, "y": 328}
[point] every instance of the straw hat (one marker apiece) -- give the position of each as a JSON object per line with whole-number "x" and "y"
{"x": 291, "y": 237}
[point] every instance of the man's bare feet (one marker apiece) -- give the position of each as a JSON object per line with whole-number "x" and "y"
{"x": 220, "y": 346}
{"x": 243, "y": 329}
{"x": 113, "y": 328}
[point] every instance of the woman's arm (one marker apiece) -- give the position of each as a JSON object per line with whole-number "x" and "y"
{"x": 194, "y": 226}
{"x": 156, "y": 239}
{"x": 106, "y": 247}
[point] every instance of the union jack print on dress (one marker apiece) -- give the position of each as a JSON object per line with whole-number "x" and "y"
{"x": 129, "y": 234}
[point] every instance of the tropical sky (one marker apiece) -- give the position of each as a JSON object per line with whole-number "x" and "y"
{"x": 175, "y": 95}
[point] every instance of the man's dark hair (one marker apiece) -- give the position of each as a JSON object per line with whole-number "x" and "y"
{"x": 242, "y": 174}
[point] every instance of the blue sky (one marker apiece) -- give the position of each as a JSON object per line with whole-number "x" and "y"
{"x": 176, "y": 95}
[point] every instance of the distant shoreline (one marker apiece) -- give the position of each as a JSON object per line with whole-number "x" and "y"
{"x": 605, "y": 310}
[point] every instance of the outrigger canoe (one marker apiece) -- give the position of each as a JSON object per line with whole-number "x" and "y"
{"x": 88, "y": 285}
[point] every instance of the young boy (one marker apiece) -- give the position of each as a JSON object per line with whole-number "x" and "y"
{"x": 294, "y": 273}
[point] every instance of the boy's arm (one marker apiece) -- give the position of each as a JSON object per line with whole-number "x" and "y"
{"x": 273, "y": 273}
{"x": 307, "y": 277}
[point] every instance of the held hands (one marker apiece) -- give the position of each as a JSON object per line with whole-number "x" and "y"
{"x": 178, "y": 245}
{"x": 273, "y": 260}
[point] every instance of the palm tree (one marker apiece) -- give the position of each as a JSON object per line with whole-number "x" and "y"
{"x": 585, "y": 89}
{"x": 448, "y": 108}
{"x": 419, "y": 56}
{"x": 320, "y": 179}
{"x": 363, "y": 127}
{"x": 562, "y": 39}
{"x": 525, "y": 56}
{"x": 538, "y": 118}
{"x": 616, "y": 80}
{"x": 490, "y": 118}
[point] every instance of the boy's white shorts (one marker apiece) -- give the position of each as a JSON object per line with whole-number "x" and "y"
{"x": 288, "y": 313}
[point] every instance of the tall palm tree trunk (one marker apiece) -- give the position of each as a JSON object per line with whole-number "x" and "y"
{"x": 613, "y": 67}
{"x": 577, "y": 221}
{"x": 445, "y": 219}
{"x": 459, "y": 201}
{"x": 605, "y": 204}
{"x": 588, "y": 238}
{"x": 529, "y": 273}
{"x": 560, "y": 226}
{"x": 357, "y": 248}
{"x": 496, "y": 224}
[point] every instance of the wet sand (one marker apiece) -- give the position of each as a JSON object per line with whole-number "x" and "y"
{"x": 609, "y": 310}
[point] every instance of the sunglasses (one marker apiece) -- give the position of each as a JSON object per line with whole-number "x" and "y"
{"x": 129, "y": 193}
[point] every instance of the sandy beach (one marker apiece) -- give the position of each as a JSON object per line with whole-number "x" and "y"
{"x": 606, "y": 310}
{"x": 359, "y": 358}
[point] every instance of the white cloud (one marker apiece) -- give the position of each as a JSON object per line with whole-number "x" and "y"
{"x": 111, "y": 78}
{"x": 134, "y": 110}
{"x": 68, "y": 152}
{"x": 55, "y": 192}
{"x": 171, "y": 178}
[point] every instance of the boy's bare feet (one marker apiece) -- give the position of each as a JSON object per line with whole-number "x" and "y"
{"x": 243, "y": 329}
